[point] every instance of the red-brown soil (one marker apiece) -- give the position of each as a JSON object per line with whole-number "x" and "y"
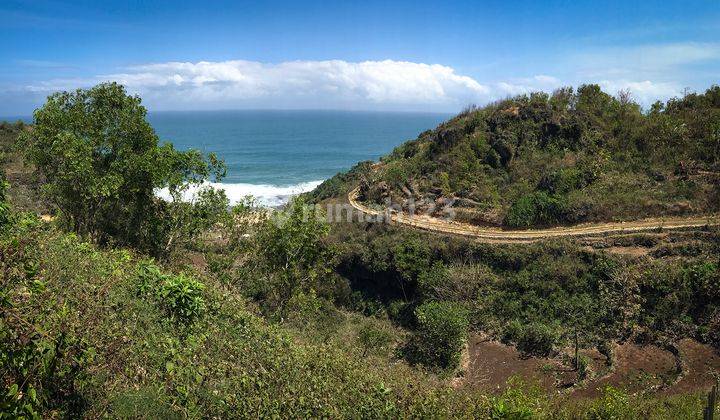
{"x": 636, "y": 369}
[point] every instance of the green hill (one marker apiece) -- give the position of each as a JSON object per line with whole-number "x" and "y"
{"x": 570, "y": 157}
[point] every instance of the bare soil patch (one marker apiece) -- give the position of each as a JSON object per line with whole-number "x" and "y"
{"x": 637, "y": 368}
{"x": 701, "y": 364}
{"x": 492, "y": 363}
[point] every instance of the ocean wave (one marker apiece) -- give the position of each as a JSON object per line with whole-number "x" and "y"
{"x": 264, "y": 194}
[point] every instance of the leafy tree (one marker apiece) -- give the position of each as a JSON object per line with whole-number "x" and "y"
{"x": 103, "y": 163}
{"x": 293, "y": 253}
{"x": 410, "y": 257}
{"x": 581, "y": 313}
{"x": 441, "y": 333}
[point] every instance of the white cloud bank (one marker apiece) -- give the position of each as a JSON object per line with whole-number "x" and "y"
{"x": 322, "y": 84}
{"x": 338, "y": 84}
{"x": 645, "y": 92}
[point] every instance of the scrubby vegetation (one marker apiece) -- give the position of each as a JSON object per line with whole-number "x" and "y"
{"x": 129, "y": 306}
{"x": 90, "y": 332}
{"x": 540, "y": 297}
{"x": 569, "y": 157}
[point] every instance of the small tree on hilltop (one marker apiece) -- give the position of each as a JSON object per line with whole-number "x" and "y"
{"x": 103, "y": 163}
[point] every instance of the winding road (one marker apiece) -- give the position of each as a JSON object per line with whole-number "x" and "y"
{"x": 488, "y": 234}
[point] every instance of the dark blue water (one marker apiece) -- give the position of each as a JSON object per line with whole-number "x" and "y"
{"x": 273, "y": 154}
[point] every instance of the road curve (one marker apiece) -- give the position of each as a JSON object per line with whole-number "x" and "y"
{"x": 488, "y": 234}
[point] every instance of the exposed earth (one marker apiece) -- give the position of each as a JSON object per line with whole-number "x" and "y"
{"x": 489, "y": 234}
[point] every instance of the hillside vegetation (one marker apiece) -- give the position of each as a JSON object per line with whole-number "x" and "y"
{"x": 570, "y": 157}
{"x": 124, "y": 305}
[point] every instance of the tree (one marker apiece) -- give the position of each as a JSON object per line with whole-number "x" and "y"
{"x": 581, "y": 313}
{"x": 410, "y": 257}
{"x": 293, "y": 252}
{"x": 441, "y": 333}
{"x": 103, "y": 163}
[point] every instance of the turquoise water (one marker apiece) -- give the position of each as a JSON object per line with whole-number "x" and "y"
{"x": 274, "y": 154}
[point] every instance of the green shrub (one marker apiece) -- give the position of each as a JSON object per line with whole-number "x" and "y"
{"x": 431, "y": 282}
{"x": 614, "y": 404}
{"x": 149, "y": 278}
{"x": 519, "y": 401}
{"x": 440, "y": 335}
{"x": 532, "y": 338}
{"x": 536, "y": 208}
{"x": 411, "y": 257}
{"x": 565, "y": 180}
{"x": 374, "y": 337}
{"x": 583, "y": 367}
{"x": 4, "y": 208}
{"x": 180, "y": 295}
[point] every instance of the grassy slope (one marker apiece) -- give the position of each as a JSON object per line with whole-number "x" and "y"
{"x": 90, "y": 345}
{"x": 566, "y": 158}
{"x": 77, "y": 308}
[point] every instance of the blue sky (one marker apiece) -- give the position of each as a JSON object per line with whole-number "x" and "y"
{"x": 415, "y": 55}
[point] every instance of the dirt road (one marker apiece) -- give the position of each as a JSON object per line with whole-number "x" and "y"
{"x": 487, "y": 234}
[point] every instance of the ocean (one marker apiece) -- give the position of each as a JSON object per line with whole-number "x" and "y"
{"x": 273, "y": 155}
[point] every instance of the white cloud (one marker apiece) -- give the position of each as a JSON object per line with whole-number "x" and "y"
{"x": 526, "y": 85}
{"x": 645, "y": 92}
{"x": 383, "y": 85}
{"x": 333, "y": 83}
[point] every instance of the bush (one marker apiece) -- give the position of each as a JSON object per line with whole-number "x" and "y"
{"x": 411, "y": 257}
{"x": 519, "y": 401}
{"x": 532, "y": 338}
{"x": 431, "y": 282}
{"x": 180, "y": 295}
{"x": 614, "y": 404}
{"x": 440, "y": 335}
{"x": 4, "y": 209}
{"x": 564, "y": 181}
{"x": 374, "y": 337}
{"x": 536, "y": 208}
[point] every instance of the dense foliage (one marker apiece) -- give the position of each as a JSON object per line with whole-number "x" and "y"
{"x": 440, "y": 334}
{"x": 545, "y": 296}
{"x": 86, "y": 332}
{"x": 569, "y": 157}
{"x": 102, "y": 163}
